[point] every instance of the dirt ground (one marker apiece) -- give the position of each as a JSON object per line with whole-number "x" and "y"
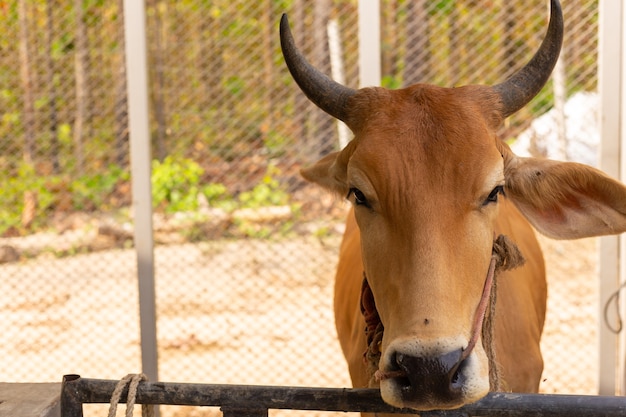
{"x": 238, "y": 312}
{"x": 569, "y": 342}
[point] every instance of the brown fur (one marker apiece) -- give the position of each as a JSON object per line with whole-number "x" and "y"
{"x": 426, "y": 159}
{"x": 426, "y": 174}
{"x": 519, "y": 318}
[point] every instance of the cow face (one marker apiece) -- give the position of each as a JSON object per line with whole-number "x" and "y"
{"x": 426, "y": 173}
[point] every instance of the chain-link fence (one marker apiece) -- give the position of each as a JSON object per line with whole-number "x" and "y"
{"x": 245, "y": 250}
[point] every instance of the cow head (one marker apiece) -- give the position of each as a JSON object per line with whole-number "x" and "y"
{"x": 425, "y": 172}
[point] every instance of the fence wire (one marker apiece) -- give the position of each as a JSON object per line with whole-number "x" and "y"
{"x": 246, "y": 249}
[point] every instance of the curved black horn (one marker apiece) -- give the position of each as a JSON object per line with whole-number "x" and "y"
{"x": 526, "y": 83}
{"x": 327, "y": 94}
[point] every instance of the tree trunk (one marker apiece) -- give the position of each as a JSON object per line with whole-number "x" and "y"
{"x": 455, "y": 55}
{"x": 390, "y": 37}
{"x": 158, "y": 102}
{"x": 54, "y": 148}
{"x": 211, "y": 68}
{"x": 508, "y": 66}
{"x": 417, "y": 66}
{"x": 268, "y": 91}
{"x": 509, "y": 39}
{"x": 301, "y": 104}
{"x": 323, "y": 139}
{"x": 28, "y": 116}
{"x": 121, "y": 97}
{"x": 210, "y": 60}
{"x": 80, "y": 69}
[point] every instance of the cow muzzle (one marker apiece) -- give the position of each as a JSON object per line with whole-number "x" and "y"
{"x": 439, "y": 373}
{"x": 432, "y": 376}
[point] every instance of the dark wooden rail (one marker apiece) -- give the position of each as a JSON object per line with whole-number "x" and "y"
{"x": 255, "y": 401}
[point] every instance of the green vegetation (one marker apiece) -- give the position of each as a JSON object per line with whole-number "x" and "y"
{"x": 222, "y": 102}
{"x": 55, "y": 193}
{"x": 176, "y": 187}
{"x": 12, "y": 191}
{"x": 175, "y": 184}
{"x": 93, "y": 192}
{"x": 267, "y": 193}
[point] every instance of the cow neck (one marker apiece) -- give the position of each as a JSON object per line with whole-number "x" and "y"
{"x": 504, "y": 256}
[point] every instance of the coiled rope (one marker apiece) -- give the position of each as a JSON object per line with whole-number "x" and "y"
{"x": 132, "y": 381}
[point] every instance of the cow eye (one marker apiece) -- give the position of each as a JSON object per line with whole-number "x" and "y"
{"x": 359, "y": 197}
{"x": 493, "y": 195}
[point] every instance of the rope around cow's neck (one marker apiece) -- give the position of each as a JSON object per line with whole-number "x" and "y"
{"x": 481, "y": 310}
{"x": 505, "y": 255}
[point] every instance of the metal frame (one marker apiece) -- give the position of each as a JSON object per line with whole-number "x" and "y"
{"x": 612, "y": 249}
{"x": 255, "y": 401}
{"x": 141, "y": 156}
{"x": 612, "y": 262}
{"x": 141, "y": 159}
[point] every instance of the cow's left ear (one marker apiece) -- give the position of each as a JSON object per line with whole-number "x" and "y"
{"x": 565, "y": 200}
{"x": 331, "y": 172}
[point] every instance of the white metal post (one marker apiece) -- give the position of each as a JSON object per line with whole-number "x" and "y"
{"x": 337, "y": 72}
{"x": 611, "y": 69}
{"x": 369, "y": 43}
{"x": 140, "y": 155}
{"x": 559, "y": 81}
{"x": 620, "y": 34}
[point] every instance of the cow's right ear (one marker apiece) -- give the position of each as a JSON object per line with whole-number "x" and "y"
{"x": 331, "y": 172}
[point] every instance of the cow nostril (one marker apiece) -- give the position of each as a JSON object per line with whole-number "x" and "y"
{"x": 403, "y": 382}
{"x": 398, "y": 366}
{"x": 456, "y": 375}
{"x": 417, "y": 376}
{"x": 398, "y": 371}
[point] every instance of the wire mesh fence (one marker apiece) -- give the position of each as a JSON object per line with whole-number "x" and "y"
{"x": 245, "y": 249}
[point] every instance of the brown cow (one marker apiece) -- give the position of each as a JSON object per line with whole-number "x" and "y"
{"x": 431, "y": 187}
